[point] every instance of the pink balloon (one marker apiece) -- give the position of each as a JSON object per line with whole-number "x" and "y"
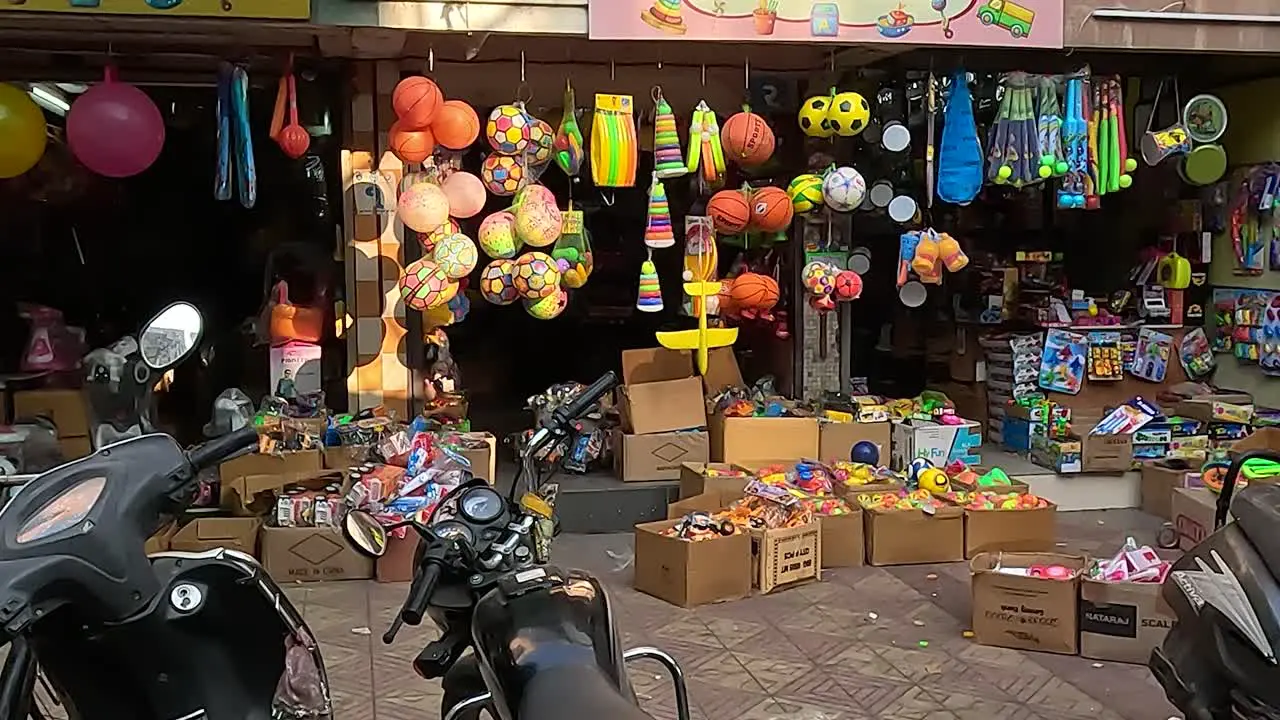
{"x": 466, "y": 194}
{"x": 114, "y": 129}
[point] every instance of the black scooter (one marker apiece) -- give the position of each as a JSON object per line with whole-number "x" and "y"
{"x": 1209, "y": 666}
{"x": 119, "y": 635}
{"x": 542, "y": 639}
{"x": 120, "y": 381}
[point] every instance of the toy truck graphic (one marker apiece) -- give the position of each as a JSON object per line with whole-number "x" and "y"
{"x": 1008, "y": 15}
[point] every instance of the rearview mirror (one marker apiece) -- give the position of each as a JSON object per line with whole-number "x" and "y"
{"x": 170, "y": 336}
{"x": 365, "y": 533}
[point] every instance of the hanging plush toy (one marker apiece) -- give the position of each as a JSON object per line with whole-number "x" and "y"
{"x": 614, "y": 148}
{"x": 706, "y": 154}
{"x": 567, "y": 147}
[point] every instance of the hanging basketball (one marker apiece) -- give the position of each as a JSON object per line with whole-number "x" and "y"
{"x": 747, "y": 139}
{"x": 771, "y": 209}
{"x": 423, "y": 207}
{"x": 466, "y": 194}
{"x": 753, "y": 291}
{"x": 411, "y": 146}
{"x": 729, "y": 212}
{"x": 22, "y": 132}
{"x": 456, "y": 125}
{"x": 416, "y": 101}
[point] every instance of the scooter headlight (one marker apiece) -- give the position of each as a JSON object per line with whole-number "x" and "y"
{"x": 63, "y": 512}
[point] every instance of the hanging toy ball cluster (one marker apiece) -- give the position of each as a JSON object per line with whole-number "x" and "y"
{"x": 845, "y": 114}
{"x": 114, "y": 129}
{"x": 22, "y": 132}
{"x": 425, "y": 119}
{"x": 522, "y": 148}
{"x": 828, "y": 284}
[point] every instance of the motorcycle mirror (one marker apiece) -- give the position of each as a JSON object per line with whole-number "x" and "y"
{"x": 170, "y": 336}
{"x": 365, "y": 533}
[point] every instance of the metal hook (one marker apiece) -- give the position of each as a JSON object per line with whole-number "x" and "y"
{"x": 608, "y": 198}
{"x": 612, "y": 71}
{"x": 746, "y": 74}
{"x": 704, "y": 75}
{"x": 522, "y": 66}
{"x": 833, "y": 61}
{"x": 431, "y": 60}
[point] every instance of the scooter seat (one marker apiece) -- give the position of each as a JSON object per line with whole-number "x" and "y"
{"x": 576, "y": 691}
{"x": 1257, "y": 512}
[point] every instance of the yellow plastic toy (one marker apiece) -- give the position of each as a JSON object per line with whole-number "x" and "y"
{"x": 934, "y": 480}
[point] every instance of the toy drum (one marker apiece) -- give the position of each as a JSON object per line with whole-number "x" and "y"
{"x": 1159, "y": 145}
{"x": 902, "y": 209}
{"x": 1205, "y": 165}
{"x": 881, "y": 193}
{"x": 895, "y": 137}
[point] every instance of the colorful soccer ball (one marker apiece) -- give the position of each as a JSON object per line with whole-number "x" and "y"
{"x": 548, "y": 307}
{"x": 430, "y": 239}
{"x": 508, "y": 129}
{"x": 497, "y": 235}
{"x": 496, "y": 283}
{"x": 541, "y": 140}
{"x": 848, "y": 285}
{"x": 456, "y": 255}
{"x": 813, "y": 117}
{"x": 425, "y": 285}
{"x": 805, "y": 193}
{"x": 848, "y": 114}
{"x": 535, "y": 276}
{"x": 819, "y": 277}
{"x": 843, "y": 189}
{"x": 502, "y": 174}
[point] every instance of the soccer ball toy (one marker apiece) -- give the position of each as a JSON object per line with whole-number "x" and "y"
{"x": 849, "y": 114}
{"x": 813, "y": 117}
{"x": 496, "y": 284}
{"x": 843, "y": 189}
{"x": 456, "y": 255}
{"x": 548, "y": 307}
{"x": 805, "y": 193}
{"x": 508, "y": 129}
{"x": 541, "y": 138}
{"x": 848, "y": 285}
{"x": 819, "y": 277}
{"x": 535, "y": 276}
{"x": 502, "y": 174}
{"x": 425, "y": 285}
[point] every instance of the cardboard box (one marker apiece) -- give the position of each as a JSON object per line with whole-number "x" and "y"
{"x": 160, "y": 541}
{"x": 207, "y": 533}
{"x": 836, "y": 439}
{"x": 1063, "y": 456}
{"x": 659, "y": 456}
{"x": 708, "y": 502}
{"x": 1122, "y": 622}
{"x": 1031, "y": 530}
{"x": 396, "y": 565}
{"x": 695, "y": 480}
{"x": 1106, "y": 453}
{"x": 1025, "y": 613}
{"x": 786, "y": 557}
{"x": 300, "y": 464}
{"x": 660, "y": 393}
{"x": 73, "y": 448}
{"x": 305, "y": 554}
{"x": 66, "y": 408}
{"x": 1192, "y": 511}
{"x": 938, "y": 443}
{"x": 1220, "y": 407}
{"x": 689, "y": 573}
{"x": 844, "y": 542}
{"x": 1158, "y": 484}
{"x": 484, "y": 456}
{"x": 254, "y": 495}
{"x": 344, "y": 457}
{"x": 1266, "y": 438}
{"x": 908, "y": 537}
{"x": 752, "y": 439}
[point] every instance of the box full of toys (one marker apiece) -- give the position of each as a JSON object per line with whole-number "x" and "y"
{"x": 1122, "y": 614}
{"x": 1005, "y": 521}
{"x": 756, "y": 423}
{"x": 1030, "y": 417}
{"x": 913, "y": 524}
{"x": 1027, "y": 601}
{"x": 927, "y": 427}
{"x": 848, "y": 421}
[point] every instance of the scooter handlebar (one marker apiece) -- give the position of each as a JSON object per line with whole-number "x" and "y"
{"x": 585, "y": 398}
{"x": 219, "y": 449}
{"x": 1229, "y": 482}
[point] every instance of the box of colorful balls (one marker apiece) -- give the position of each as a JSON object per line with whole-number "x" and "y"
{"x": 1008, "y": 521}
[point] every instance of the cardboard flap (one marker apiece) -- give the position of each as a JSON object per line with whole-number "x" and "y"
{"x": 988, "y": 562}
{"x": 941, "y": 512}
{"x": 722, "y": 371}
{"x": 708, "y": 502}
{"x": 1265, "y": 438}
{"x": 655, "y": 365}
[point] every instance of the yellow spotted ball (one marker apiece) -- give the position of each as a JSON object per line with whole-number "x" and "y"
{"x": 535, "y": 276}
{"x": 548, "y": 307}
{"x": 497, "y": 235}
{"x": 538, "y": 223}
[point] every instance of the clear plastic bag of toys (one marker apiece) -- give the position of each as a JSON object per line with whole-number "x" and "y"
{"x": 572, "y": 251}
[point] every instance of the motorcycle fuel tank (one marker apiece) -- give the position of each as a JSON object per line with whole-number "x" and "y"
{"x": 540, "y": 620}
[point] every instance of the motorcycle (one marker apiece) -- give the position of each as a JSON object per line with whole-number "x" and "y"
{"x": 583, "y": 443}
{"x": 120, "y": 382}
{"x": 1219, "y": 662}
{"x": 542, "y": 639}
{"x": 118, "y": 634}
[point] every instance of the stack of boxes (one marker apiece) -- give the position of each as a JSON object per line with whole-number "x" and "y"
{"x": 661, "y": 406}
{"x": 1013, "y": 372}
{"x": 68, "y": 411}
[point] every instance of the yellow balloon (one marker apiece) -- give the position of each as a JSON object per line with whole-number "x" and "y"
{"x": 22, "y": 132}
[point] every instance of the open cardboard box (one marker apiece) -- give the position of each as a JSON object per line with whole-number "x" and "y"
{"x": 1025, "y": 613}
{"x": 689, "y": 573}
{"x": 1027, "y": 530}
{"x": 908, "y": 537}
{"x": 660, "y": 392}
{"x": 1124, "y": 621}
{"x": 207, "y": 533}
{"x": 752, "y": 439}
{"x": 695, "y": 480}
{"x": 657, "y": 456}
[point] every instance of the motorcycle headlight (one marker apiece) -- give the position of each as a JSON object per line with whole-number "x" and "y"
{"x": 63, "y": 512}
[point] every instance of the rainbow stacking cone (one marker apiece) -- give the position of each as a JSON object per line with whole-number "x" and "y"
{"x": 704, "y": 338}
{"x": 667, "y": 160}
{"x": 665, "y": 16}
{"x": 657, "y": 233}
{"x": 650, "y": 296}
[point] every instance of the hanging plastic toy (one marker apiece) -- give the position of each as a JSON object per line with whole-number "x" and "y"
{"x": 568, "y": 143}
{"x": 667, "y": 160}
{"x": 706, "y": 155}
{"x": 649, "y": 298}
{"x": 614, "y": 147}
{"x": 572, "y": 251}
{"x": 657, "y": 232}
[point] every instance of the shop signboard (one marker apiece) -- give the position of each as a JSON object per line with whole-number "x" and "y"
{"x": 252, "y": 9}
{"x": 994, "y": 23}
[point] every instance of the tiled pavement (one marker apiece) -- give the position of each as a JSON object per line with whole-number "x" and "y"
{"x": 863, "y": 644}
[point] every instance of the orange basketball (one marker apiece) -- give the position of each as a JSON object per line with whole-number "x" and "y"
{"x": 771, "y": 209}
{"x": 456, "y": 125}
{"x": 729, "y": 212}
{"x": 411, "y": 146}
{"x": 747, "y": 139}
{"x": 753, "y": 291}
{"x": 727, "y": 307}
{"x": 416, "y": 100}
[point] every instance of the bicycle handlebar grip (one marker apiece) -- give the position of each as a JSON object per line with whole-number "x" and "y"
{"x": 415, "y": 607}
{"x": 589, "y": 396}
{"x": 219, "y": 449}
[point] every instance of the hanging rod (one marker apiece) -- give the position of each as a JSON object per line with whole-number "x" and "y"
{"x": 1189, "y": 17}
